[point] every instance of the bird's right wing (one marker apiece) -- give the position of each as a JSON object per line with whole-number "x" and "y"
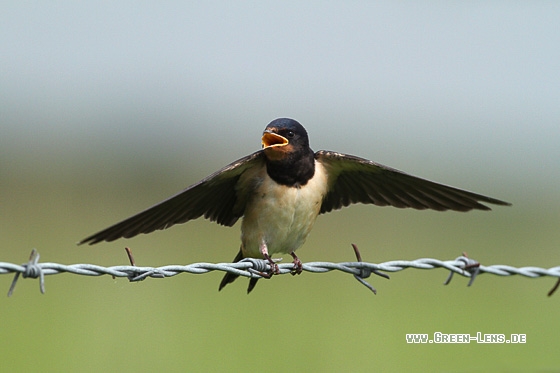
{"x": 215, "y": 197}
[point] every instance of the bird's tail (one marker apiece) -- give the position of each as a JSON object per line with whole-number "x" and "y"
{"x": 230, "y": 277}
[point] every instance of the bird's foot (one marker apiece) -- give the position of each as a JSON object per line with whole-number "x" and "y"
{"x": 298, "y": 266}
{"x": 274, "y": 270}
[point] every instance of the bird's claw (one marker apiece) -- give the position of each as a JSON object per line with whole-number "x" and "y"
{"x": 274, "y": 270}
{"x": 298, "y": 266}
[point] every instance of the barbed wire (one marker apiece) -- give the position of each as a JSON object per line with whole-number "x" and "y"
{"x": 259, "y": 268}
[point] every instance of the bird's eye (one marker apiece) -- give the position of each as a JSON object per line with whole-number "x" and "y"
{"x": 291, "y": 134}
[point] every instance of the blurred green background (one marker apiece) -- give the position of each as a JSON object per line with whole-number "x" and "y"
{"x": 107, "y": 108}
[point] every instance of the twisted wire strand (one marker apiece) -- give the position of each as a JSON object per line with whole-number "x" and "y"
{"x": 256, "y": 268}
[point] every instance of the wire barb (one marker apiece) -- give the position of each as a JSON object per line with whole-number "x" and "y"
{"x": 471, "y": 266}
{"x": 31, "y": 269}
{"x": 366, "y": 272}
{"x": 134, "y": 277}
{"x": 554, "y": 288}
{"x": 252, "y": 268}
{"x": 260, "y": 267}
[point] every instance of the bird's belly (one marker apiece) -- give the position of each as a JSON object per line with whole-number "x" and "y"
{"x": 280, "y": 217}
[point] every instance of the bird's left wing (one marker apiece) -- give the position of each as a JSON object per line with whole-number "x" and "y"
{"x": 215, "y": 197}
{"x": 356, "y": 180}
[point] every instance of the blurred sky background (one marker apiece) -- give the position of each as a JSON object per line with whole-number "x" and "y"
{"x": 109, "y": 107}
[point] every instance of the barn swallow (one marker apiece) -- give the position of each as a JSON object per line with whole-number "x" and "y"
{"x": 282, "y": 188}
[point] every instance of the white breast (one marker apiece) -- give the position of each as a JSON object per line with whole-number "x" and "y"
{"x": 281, "y": 216}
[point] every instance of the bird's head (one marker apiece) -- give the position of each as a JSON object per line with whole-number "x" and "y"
{"x": 283, "y": 138}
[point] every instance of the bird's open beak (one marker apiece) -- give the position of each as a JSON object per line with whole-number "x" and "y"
{"x": 271, "y": 139}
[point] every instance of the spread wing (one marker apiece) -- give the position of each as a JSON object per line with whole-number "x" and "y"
{"x": 357, "y": 180}
{"x": 215, "y": 197}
